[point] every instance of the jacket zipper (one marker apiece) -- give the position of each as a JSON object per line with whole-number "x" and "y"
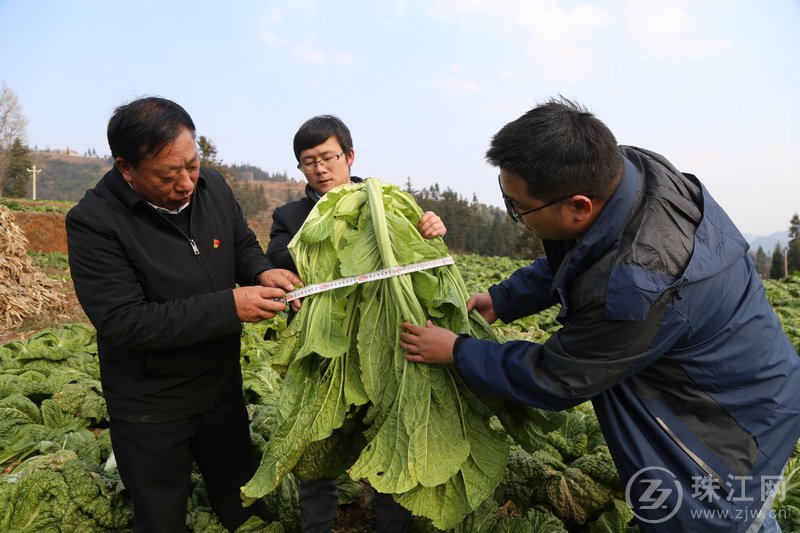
{"x": 694, "y": 457}
{"x": 196, "y": 251}
{"x": 195, "y": 248}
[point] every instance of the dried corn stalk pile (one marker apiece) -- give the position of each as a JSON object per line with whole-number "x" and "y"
{"x": 25, "y": 292}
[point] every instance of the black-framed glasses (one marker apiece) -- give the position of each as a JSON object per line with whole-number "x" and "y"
{"x": 324, "y": 161}
{"x": 516, "y": 216}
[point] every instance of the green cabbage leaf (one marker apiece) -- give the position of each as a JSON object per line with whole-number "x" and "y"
{"x": 423, "y": 436}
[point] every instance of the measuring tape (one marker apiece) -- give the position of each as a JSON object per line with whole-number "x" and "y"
{"x": 369, "y": 276}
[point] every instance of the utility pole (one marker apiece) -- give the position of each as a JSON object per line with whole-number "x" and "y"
{"x": 34, "y": 171}
{"x": 786, "y": 262}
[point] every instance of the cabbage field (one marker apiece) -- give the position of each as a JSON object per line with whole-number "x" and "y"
{"x": 57, "y": 470}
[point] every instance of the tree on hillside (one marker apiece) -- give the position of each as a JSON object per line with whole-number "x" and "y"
{"x": 793, "y": 251}
{"x": 492, "y": 241}
{"x": 529, "y": 246}
{"x": 793, "y": 256}
{"x": 12, "y": 126}
{"x": 475, "y": 228}
{"x": 762, "y": 262}
{"x": 794, "y": 227}
{"x": 251, "y": 172}
{"x": 208, "y": 155}
{"x": 409, "y": 189}
{"x": 208, "y": 152}
{"x": 15, "y": 183}
{"x": 249, "y": 195}
{"x": 778, "y": 270}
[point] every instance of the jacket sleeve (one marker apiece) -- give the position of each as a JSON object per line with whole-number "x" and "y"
{"x": 279, "y": 238}
{"x": 524, "y": 293}
{"x": 584, "y": 358}
{"x": 109, "y": 290}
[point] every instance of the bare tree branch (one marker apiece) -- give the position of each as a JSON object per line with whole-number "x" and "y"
{"x": 13, "y": 125}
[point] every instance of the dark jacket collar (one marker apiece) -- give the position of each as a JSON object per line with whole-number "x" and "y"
{"x": 604, "y": 232}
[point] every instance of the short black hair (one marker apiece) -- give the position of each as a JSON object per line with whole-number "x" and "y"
{"x": 559, "y": 148}
{"x": 319, "y": 129}
{"x": 139, "y": 129}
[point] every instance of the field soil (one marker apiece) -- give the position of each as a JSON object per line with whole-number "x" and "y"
{"x": 45, "y": 231}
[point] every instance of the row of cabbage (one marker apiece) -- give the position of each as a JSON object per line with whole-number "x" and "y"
{"x": 59, "y": 472}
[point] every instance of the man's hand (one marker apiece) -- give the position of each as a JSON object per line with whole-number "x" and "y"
{"x": 430, "y": 225}
{"x": 257, "y": 303}
{"x": 282, "y": 279}
{"x": 483, "y": 303}
{"x": 430, "y": 344}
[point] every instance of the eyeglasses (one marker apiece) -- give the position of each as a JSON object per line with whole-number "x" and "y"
{"x": 323, "y": 162}
{"x": 515, "y": 216}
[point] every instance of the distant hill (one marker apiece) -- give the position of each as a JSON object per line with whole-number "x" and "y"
{"x": 276, "y": 193}
{"x": 472, "y": 227}
{"x": 250, "y": 172}
{"x": 768, "y": 242}
{"x": 66, "y": 177}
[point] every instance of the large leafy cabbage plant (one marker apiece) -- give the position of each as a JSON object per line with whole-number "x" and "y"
{"x": 350, "y": 401}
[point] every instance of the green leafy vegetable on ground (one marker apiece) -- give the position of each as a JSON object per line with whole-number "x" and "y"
{"x": 51, "y": 413}
{"x": 60, "y": 492}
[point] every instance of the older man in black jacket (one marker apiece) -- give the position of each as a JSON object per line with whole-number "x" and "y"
{"x": 156, "y": 251}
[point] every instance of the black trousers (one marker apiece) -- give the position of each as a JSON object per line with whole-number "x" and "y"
{"x": 319, "y": 499}
{"x": 155, "y": 463}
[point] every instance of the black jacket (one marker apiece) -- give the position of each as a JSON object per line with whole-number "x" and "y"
{"x": 286, "y": 222}
{"x": 161, "y": 301}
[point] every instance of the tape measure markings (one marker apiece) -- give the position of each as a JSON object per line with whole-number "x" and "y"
{"x": 369, "y": 276}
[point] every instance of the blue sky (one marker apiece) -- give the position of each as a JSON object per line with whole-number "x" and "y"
{"x": 712, "y": 85}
